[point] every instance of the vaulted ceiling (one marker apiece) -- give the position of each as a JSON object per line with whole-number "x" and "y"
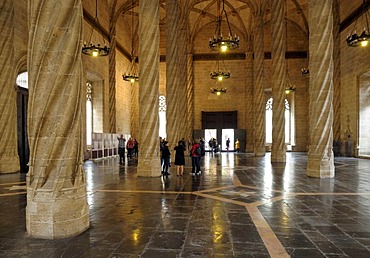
{"x": 202, "y": 15}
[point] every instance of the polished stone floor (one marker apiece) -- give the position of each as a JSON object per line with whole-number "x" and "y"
{"x": 240, "y": 206}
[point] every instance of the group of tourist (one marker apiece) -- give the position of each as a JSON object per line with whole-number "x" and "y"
{"x": 196, "y": 150}
{"x": 132, "y": 147}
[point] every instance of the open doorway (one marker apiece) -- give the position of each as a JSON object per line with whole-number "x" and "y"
{"x": 208, "y": 135}
{"x": 227, "y": 134}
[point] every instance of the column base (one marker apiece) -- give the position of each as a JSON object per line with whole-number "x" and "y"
{"x": 260, "y": 152}
{"x": 320, "y": 168}
{"x": 54, "y": 218}
{"x": 279, "y": 157}
{"x": 149, "y": 167}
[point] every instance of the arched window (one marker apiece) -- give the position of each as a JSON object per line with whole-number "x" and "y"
{"x": 162, "y": 116}
{"x": 22, "y": 80}
{"x": 289, "y": 125}
{"x": 89, "y": 114}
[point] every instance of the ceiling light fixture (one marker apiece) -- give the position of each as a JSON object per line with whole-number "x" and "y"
{"x": 132, "y": 75}
{"x": 355, "y": 40}
{"x": 218, "y": 42}
{"x": 220, "y": 73}
{"x": 92, "y": 49}
{"x": 218, "y": 91}
{"x": 305, "y": 72}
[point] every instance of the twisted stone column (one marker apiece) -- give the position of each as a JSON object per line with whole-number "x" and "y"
{"x": 9, "y": 161}
{"x": 112, "y": 78}
{"x": 190, "y": 95}
{"x": 320, "y": 154}
{"x": 56, "y": 188}
{"x": 259, "y": 98}
{"x": 278, "y": 81}
{"x": 249, "y": 101}
{"x": 182, "y": 62}
{"x": 135, "y": 110}
{"x": 173, "y": 113}
{"x": 336, "y": 71}
{"x": 149, "y": 162}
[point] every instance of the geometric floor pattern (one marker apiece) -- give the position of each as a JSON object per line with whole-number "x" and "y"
{"x": 240, "y": 206}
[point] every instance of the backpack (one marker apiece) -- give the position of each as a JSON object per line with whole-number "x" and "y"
{"x": 198, "y": 151}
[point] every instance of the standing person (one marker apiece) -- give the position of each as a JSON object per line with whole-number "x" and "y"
{"x": 180, "y": 158}
{"x": 210, "y": 144}
{"x": 121, "y": 148}
{"x": 237, "y": 145}
{"x": 195, "y": 153}
{"x": 202, "y": 144}
{"x": 130, "y": 147}
{"x": 166, "y": 156}
{"x": 183, "y": 142}
{"x": 160, "y": 149}
{"x": 227, "y": 144}
{"x": 136, "y": 148}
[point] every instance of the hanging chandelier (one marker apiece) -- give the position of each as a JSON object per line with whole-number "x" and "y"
{"x": 132, "y": 74}
{"x": 218, "y": 42}
{"x": 289, "y": 89}
{"x": 218, "y": 73}
{"x": 355, "y": 40}
{"x": 92, "y": 49}
{"x": 305, "y": 72}
{"x": 218, "y": 91}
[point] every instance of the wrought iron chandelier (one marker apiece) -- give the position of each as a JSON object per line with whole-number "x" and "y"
{"x": 218, "y": 42}
{"x": 355, "y": 40}
{"x": 218, "y": 91}
{"x": 132, "y": 75}
{"x": 289, "y": 89}
{"x": 92, "y": 49}
{"x": 218, "y": 73}
{"x": 305, "y": 72}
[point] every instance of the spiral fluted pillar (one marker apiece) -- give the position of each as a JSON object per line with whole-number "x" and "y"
{"x": 278, "y": 81}
{"x": 9, "y": 162}
{"x": 134, "y": 106}
{"x": 112, "y": 78}
{"x": 336, "y": 71}
{"x": 190, "y": 95}
{"x": 259, "y": 83}
{"x": 173, "y": 113}
{"x": 149, "y": 162}
{"x": 249, "y": 101}
{"x": 182, "y": 63}
{"x": 56, "y": 188}
{"x": 320, "y": 154}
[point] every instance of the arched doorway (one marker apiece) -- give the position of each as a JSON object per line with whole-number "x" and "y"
{"x": 22, "y": 111}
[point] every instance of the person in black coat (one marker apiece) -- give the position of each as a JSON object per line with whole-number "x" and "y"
{"x": 166, "y": 156}
{"x": 180, "y": 158}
